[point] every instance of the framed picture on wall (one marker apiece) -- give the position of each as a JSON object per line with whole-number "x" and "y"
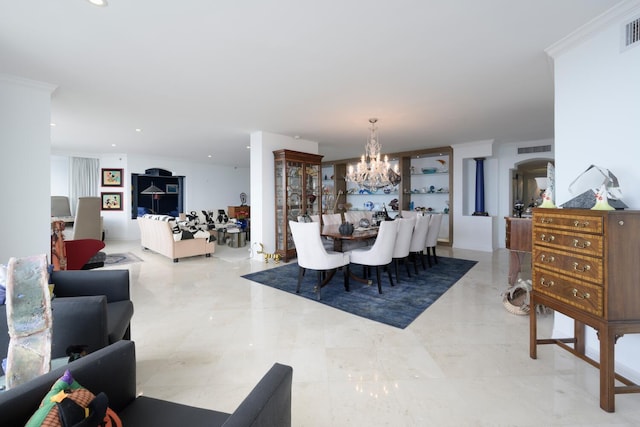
{"x": 112, "y": 177}
{"x": 172, "y": 189}
{"x": 111, "y": 201}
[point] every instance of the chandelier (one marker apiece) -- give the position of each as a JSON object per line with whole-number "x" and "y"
{"x": 371, "y": 172}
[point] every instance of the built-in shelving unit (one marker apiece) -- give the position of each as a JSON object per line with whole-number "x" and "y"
{"x": 431, "y": 189}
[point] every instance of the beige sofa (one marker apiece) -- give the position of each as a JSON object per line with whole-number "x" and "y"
{"x": 156, "y": 234}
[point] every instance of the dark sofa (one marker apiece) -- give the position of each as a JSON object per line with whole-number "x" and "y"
{"x": 91, "y": 308}
{"x": 112, "y": 370}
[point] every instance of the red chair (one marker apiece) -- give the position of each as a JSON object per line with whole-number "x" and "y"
{"x": 79, "y": 252}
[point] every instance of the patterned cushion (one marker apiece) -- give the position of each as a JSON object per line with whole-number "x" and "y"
{"x": 67, "y": 400}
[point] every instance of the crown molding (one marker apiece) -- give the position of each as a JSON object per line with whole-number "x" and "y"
{"x": 616, "y": 13}
{"x": 34, "y": 84}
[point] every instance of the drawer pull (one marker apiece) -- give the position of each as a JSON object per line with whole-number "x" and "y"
{"x": 577, "y": 223}
{"x": 585, "y": 295}
{"x": 546, "y": 220}
{"x": 549, "y": 239}
{"x": 583, "y": 245}
{"x": 546, "y": 283}
{"x": 587, "y": 267}
{"x": 543, "y": 258}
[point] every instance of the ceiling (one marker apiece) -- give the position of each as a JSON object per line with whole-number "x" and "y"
{"x": 198, "y": 76}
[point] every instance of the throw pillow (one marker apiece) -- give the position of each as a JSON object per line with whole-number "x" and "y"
{"x": 68, "y": 404}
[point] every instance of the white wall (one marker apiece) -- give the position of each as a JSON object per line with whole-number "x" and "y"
{"x": 60, "y": 175}
{"x": 25, "y": 116}
{"x": 597, "y": 121}
{"x": 263, "y": 218}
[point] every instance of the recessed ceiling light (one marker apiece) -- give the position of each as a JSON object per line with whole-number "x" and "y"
{"x": 52, "y": 125}
{"x": 248, "y": 147}
{"x": 99, "y": 3}
{"x": 138, "y": 130}
{"x": 209, "y": 156}
{"x": 113, "y": 145}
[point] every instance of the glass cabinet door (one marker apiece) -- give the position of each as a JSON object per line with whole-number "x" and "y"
{"x": 313, "y": 198}
{"x": 297, "y": 192}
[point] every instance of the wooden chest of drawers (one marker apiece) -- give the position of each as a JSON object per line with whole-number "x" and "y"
{"x": 586, "y": 265}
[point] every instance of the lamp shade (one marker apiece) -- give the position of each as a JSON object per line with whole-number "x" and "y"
{"x": 152, "y": 189}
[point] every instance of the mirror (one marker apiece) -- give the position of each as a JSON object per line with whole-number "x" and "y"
{"x": 525, "y": 187}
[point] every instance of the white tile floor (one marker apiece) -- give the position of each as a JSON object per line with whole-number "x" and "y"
{"x": 205, "y": 336}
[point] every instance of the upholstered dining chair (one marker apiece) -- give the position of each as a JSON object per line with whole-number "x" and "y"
{"x": 354, "y": 217}
{"x": 332, "y": 218}
{"x": 432, "y": 237}
{"x": 409, "y": 214}
{"x": 402, "y": 244}
{"x": 419, "y": 240}
{"x": 88, "y": 222}
{"x": 380, "y": 254}
{"x": 313, "y": 256}
{"x": 61, "y": 209}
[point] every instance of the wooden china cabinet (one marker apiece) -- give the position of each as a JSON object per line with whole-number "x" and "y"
{"x": 585, "y": 266}
{"x": 298, "y": 192}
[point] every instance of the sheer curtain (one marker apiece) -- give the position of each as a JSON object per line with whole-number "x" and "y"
{"x": 85, "y": 179}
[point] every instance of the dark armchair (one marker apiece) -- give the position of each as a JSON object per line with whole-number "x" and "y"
{"x": 112, "y": 370}
{"x": 91, "y": 307}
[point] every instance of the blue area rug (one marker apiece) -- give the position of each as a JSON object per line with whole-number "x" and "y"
{"x": 397, "y": 306}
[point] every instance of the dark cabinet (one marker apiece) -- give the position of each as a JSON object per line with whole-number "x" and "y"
{"x": 157, "y": 191}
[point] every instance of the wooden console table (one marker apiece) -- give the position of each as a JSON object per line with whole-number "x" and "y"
{"x": 518, "y": 241}
{"x": 585, "y": 266}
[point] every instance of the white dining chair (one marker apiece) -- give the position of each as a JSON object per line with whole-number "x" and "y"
{"x": 409, "y": 214}
{"x": 419, "y": 240}
{"x": 313, "y": 256}
{"x": 354, "y": 217}
{"x": 432, "y": 237}
{"x": 380, "y": 254}
{"x": 402, "y": 244}
{"x": 332, "y": 218}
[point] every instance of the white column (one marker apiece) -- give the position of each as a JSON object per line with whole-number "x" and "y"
{"x": 25, "y": 117}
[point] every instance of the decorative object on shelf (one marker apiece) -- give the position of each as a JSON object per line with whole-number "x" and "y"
{"x": 364, "y": 223}
{"x": 243, "y": 199}
{"x": 443, "y": 166}
{"x": 372, "y": 172}
{"x": 369, "y": 205}
{"x": 387, "y": 190}
{"x": 588, "y": 183}
{"x": 346, "y": 229}
{"x": 395, "y": 204}
{"x": 429, "y": 170}
{"x": 267, "y": 256}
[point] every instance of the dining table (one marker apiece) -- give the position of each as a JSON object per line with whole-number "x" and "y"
{"x": 359, "y": 233}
